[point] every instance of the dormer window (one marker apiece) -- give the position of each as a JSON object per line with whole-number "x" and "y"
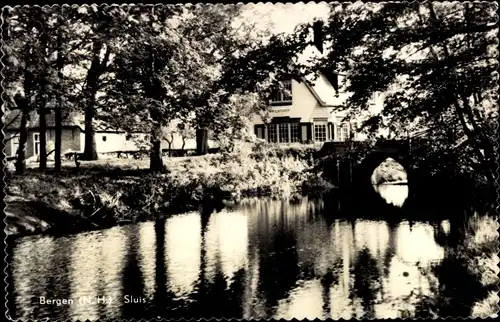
{"x": 284, "y": 94}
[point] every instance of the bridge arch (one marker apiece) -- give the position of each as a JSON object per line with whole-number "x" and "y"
{"x": 367, "y": 165}
{"x": 353, "y": 164}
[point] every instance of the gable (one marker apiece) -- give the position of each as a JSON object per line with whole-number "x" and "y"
{"x": 325, "y": 93}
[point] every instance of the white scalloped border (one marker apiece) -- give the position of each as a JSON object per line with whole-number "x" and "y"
{"x": 497, "y": 136}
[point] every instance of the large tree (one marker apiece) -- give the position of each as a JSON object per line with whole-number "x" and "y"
{"x": 24, "y": 72}
{"x": 226, "y": 39}
{"x": 100, "y": 32}
{"x": 39, "y": 44}
{"x": 434, "y": 64}
{"x": 157, "y": 73}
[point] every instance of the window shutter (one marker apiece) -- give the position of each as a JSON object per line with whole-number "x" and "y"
{"x": 330, "y": 131}
{"x": 303, "y": 132}
{"x": 309, "y": 132}
{"x": 259, "y": 131}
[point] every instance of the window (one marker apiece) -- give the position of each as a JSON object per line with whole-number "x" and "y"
{"x": 36, "y": 143}
{"x": 345, "y": 131}
{"x": 283, "y": 133}
{"x": 104, "y": 138}
{"x": 14, "y": 144}
{"x": 294, "y": 132}
{"x": 342, "y": 132}
{"x": 320, "y": 132}
{"x": 283, "y": 95}
{"x": 272, "y": 134}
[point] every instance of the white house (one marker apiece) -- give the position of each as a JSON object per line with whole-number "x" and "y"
{"x": 304, "y": 112}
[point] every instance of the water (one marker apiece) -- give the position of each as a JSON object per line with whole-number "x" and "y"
{"x": 260, "y": 259}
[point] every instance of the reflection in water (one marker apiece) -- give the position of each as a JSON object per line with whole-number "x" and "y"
{"x": 226, "y": 244}
{"x": 265, "y": 259}
{"x": 183, "y": 241}
{"x": 393, "y": 194}
{"x": 147, "y": 245}
{"x": 96, "y": 271}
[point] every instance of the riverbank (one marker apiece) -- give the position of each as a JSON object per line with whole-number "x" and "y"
{"x": 105, "y": 193}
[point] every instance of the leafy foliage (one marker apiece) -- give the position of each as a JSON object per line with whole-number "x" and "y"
{"x": 433, "y": 63}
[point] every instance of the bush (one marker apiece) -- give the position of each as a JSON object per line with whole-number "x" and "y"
{"x": 120, "y": 196}
{"x": 252, "y": 168}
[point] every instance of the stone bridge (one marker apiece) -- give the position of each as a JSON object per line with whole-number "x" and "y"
{"x": 352, "y": 163}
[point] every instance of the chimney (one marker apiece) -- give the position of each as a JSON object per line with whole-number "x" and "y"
{"x": 318, "y": 35}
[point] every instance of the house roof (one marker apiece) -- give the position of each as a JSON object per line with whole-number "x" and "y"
{"x": 12, "y": 120}
{"x": 323, "y": 90}
{"x": 323, "y": 86}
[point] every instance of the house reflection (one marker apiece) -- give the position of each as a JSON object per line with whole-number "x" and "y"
{"x": 227, "y": 243}
{"x": 146, "y": 256}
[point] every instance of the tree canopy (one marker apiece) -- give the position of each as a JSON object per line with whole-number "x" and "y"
{"x": 433, "y": 63}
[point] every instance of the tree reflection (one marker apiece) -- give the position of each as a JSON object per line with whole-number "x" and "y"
{"x": 366, "y": 282}
{"x": 463, "y": 275}
{"x": 164, "y": 303}
{"x": 458, "y": 290}
{"x": 133, "y": 281}
{"x": 278, "y": 270}
{"x": 160, "y": 269}
{"x": 215, "y": 299}
{"x": 327, "y": 281}
{"x": 11, "y": 304}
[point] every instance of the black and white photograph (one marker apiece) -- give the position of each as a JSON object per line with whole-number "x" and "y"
{"x": 250, "y": 160}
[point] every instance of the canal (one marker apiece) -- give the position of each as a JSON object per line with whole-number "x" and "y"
{"x": 301, "y": 257}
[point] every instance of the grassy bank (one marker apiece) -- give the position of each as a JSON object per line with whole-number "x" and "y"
{"x": 110, "y": 192}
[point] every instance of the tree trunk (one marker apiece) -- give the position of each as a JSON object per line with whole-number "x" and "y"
{"x": 170, "y": 145}
{"x": 43, "y": 102}
{"x": 43, "y": 137}
{"x": 201, "y": 141}
{"x": 24, "y": 104}
{"x": 58, "y": 109}
{"x": 155, "y": 159}
{"x": 23, "y": 137}
{"x": 43, "y": 126}
{"x": 58, "y": 137}
{"x": 95, "y": 71}
{"x": 90, "y": 149}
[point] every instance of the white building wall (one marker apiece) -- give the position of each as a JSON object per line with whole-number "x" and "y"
{"x": 111, "y": 142}
{"x": 303, "y": 103}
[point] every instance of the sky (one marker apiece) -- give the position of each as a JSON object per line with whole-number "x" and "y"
{"x": 285, "y": 17}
